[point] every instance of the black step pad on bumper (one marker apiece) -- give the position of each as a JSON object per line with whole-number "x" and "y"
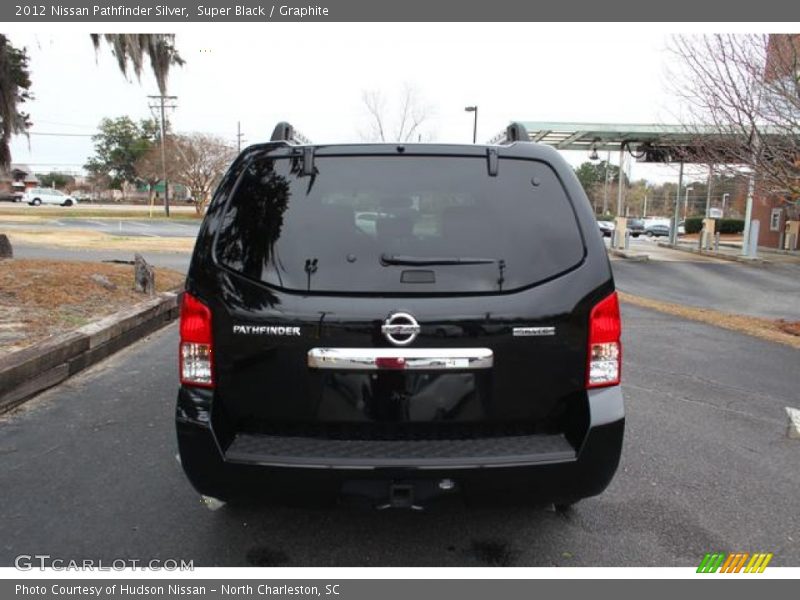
{"x": 427, "y": 454}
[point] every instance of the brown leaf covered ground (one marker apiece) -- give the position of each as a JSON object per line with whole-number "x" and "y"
{"x": 42, "y": 298}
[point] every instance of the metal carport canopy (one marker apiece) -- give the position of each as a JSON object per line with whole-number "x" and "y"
{"x": 611, "y": 136}
{"x": 658, "y": 142}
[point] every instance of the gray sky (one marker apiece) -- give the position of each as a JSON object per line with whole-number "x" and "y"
{"x": 313, "y": 75}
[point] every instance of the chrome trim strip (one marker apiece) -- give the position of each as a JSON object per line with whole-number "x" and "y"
{"x": 533, "y": 331}
{"x": 417, "y": 359}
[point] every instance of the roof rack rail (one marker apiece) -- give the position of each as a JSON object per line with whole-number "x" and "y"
{"x": 515, "y": 132}
{"x": 287, "y": 133}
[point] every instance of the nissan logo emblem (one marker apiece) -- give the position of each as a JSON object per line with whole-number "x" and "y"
{"x": 400, "y": 328}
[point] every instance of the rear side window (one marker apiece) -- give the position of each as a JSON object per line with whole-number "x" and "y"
{"x": 399, "y": 224}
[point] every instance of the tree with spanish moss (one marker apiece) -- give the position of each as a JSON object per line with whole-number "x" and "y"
{"x": 131, "y": 50}
{"x": 15, "y": 83}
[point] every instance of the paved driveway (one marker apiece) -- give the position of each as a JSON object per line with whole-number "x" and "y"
{"x": 88, "y": 470}
{"x": 770, "y": 291}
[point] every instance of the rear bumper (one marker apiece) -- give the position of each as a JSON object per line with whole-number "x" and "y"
{"x": 544, "y": 469}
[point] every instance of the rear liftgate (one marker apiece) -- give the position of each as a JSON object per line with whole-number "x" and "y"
{"x": 392, "y": 372}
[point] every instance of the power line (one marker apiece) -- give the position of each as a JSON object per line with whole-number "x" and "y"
{"x": 80, "y": 125}
{"x": 61, "y": 134}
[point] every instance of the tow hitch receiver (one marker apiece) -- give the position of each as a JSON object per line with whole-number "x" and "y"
{"x": 401, "y": 495}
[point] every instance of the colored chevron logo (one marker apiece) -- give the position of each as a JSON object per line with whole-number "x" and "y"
{"x": 734, "y": 562}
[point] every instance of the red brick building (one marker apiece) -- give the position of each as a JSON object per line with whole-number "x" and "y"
{"x": 772, "y": 212}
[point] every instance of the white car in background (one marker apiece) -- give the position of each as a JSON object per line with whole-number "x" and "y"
{"x": 37, "y": 196}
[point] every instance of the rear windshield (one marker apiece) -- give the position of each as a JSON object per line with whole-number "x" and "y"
{"x": 399, "y": 224}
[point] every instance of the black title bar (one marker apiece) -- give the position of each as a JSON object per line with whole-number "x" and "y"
{"x": 184, "y": 11}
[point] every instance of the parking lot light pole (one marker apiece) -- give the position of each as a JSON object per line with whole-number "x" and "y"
{"x": 673, "y": 232}
{"x": 620, "y": 186}
{"x": 686, "y": 202}
{"x": 473, "y": 109}
{"x": 605, "y": 184}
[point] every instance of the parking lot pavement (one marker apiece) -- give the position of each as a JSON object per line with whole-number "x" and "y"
{"x": 88, "y": 470}
{"x": 175, "y": 208}
{"x": 768, "y": 291}
{"x": 760, "y": 290}
{"x": 121, "y": 227}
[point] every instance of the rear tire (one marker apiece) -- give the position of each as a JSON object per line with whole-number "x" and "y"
{"x": 649, "y": 234}
{"x": 36, "y": 202}
{"x": 67, "y": 203}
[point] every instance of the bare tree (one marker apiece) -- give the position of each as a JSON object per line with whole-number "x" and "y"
{"x": 199, "y": 161}
{"x": 400, "y": 122}
{"x": 149, "y": 168}
{"x": 746, "y": 88}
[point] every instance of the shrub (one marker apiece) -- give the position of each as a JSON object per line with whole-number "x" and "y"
{"x": 730, "y": 225}
{"x": 695, "y": 224}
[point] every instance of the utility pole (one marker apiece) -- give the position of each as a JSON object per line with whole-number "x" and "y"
{"x": 161, "y": 107}
{"x": 605, "y": 184}
{"x": 620, "y": 186}
{"x": 239, "y": 136}
{"x": 673, "y": 230}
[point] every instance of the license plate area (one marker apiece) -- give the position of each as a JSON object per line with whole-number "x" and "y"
{"x": 393, "y": 396}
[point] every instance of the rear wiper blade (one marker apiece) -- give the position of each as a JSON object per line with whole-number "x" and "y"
{"x": 421, "y": 261}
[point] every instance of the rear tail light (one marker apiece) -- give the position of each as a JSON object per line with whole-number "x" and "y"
{"x": 196, "y": 353}
{"x": 605, "y": 349}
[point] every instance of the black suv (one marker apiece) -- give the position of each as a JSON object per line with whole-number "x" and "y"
{"x": 400, "y": 322}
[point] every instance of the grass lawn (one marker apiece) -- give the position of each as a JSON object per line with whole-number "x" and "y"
{"x": 77, "y": 238}
{"x": 182, "y": 213}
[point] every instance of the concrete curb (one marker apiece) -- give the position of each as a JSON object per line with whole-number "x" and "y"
{"x": 712, "y": 254}
{"x": 32, "y": 370}
{"x": 766, "y": 250}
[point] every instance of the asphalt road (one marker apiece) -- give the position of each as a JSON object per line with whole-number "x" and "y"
{"x": 122, "y": 227}
{"x": 88, "y": 470}
{"x": 178, "y": 261}
{"x": 178, "y": 208}
{"x": 769, "y": 291}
